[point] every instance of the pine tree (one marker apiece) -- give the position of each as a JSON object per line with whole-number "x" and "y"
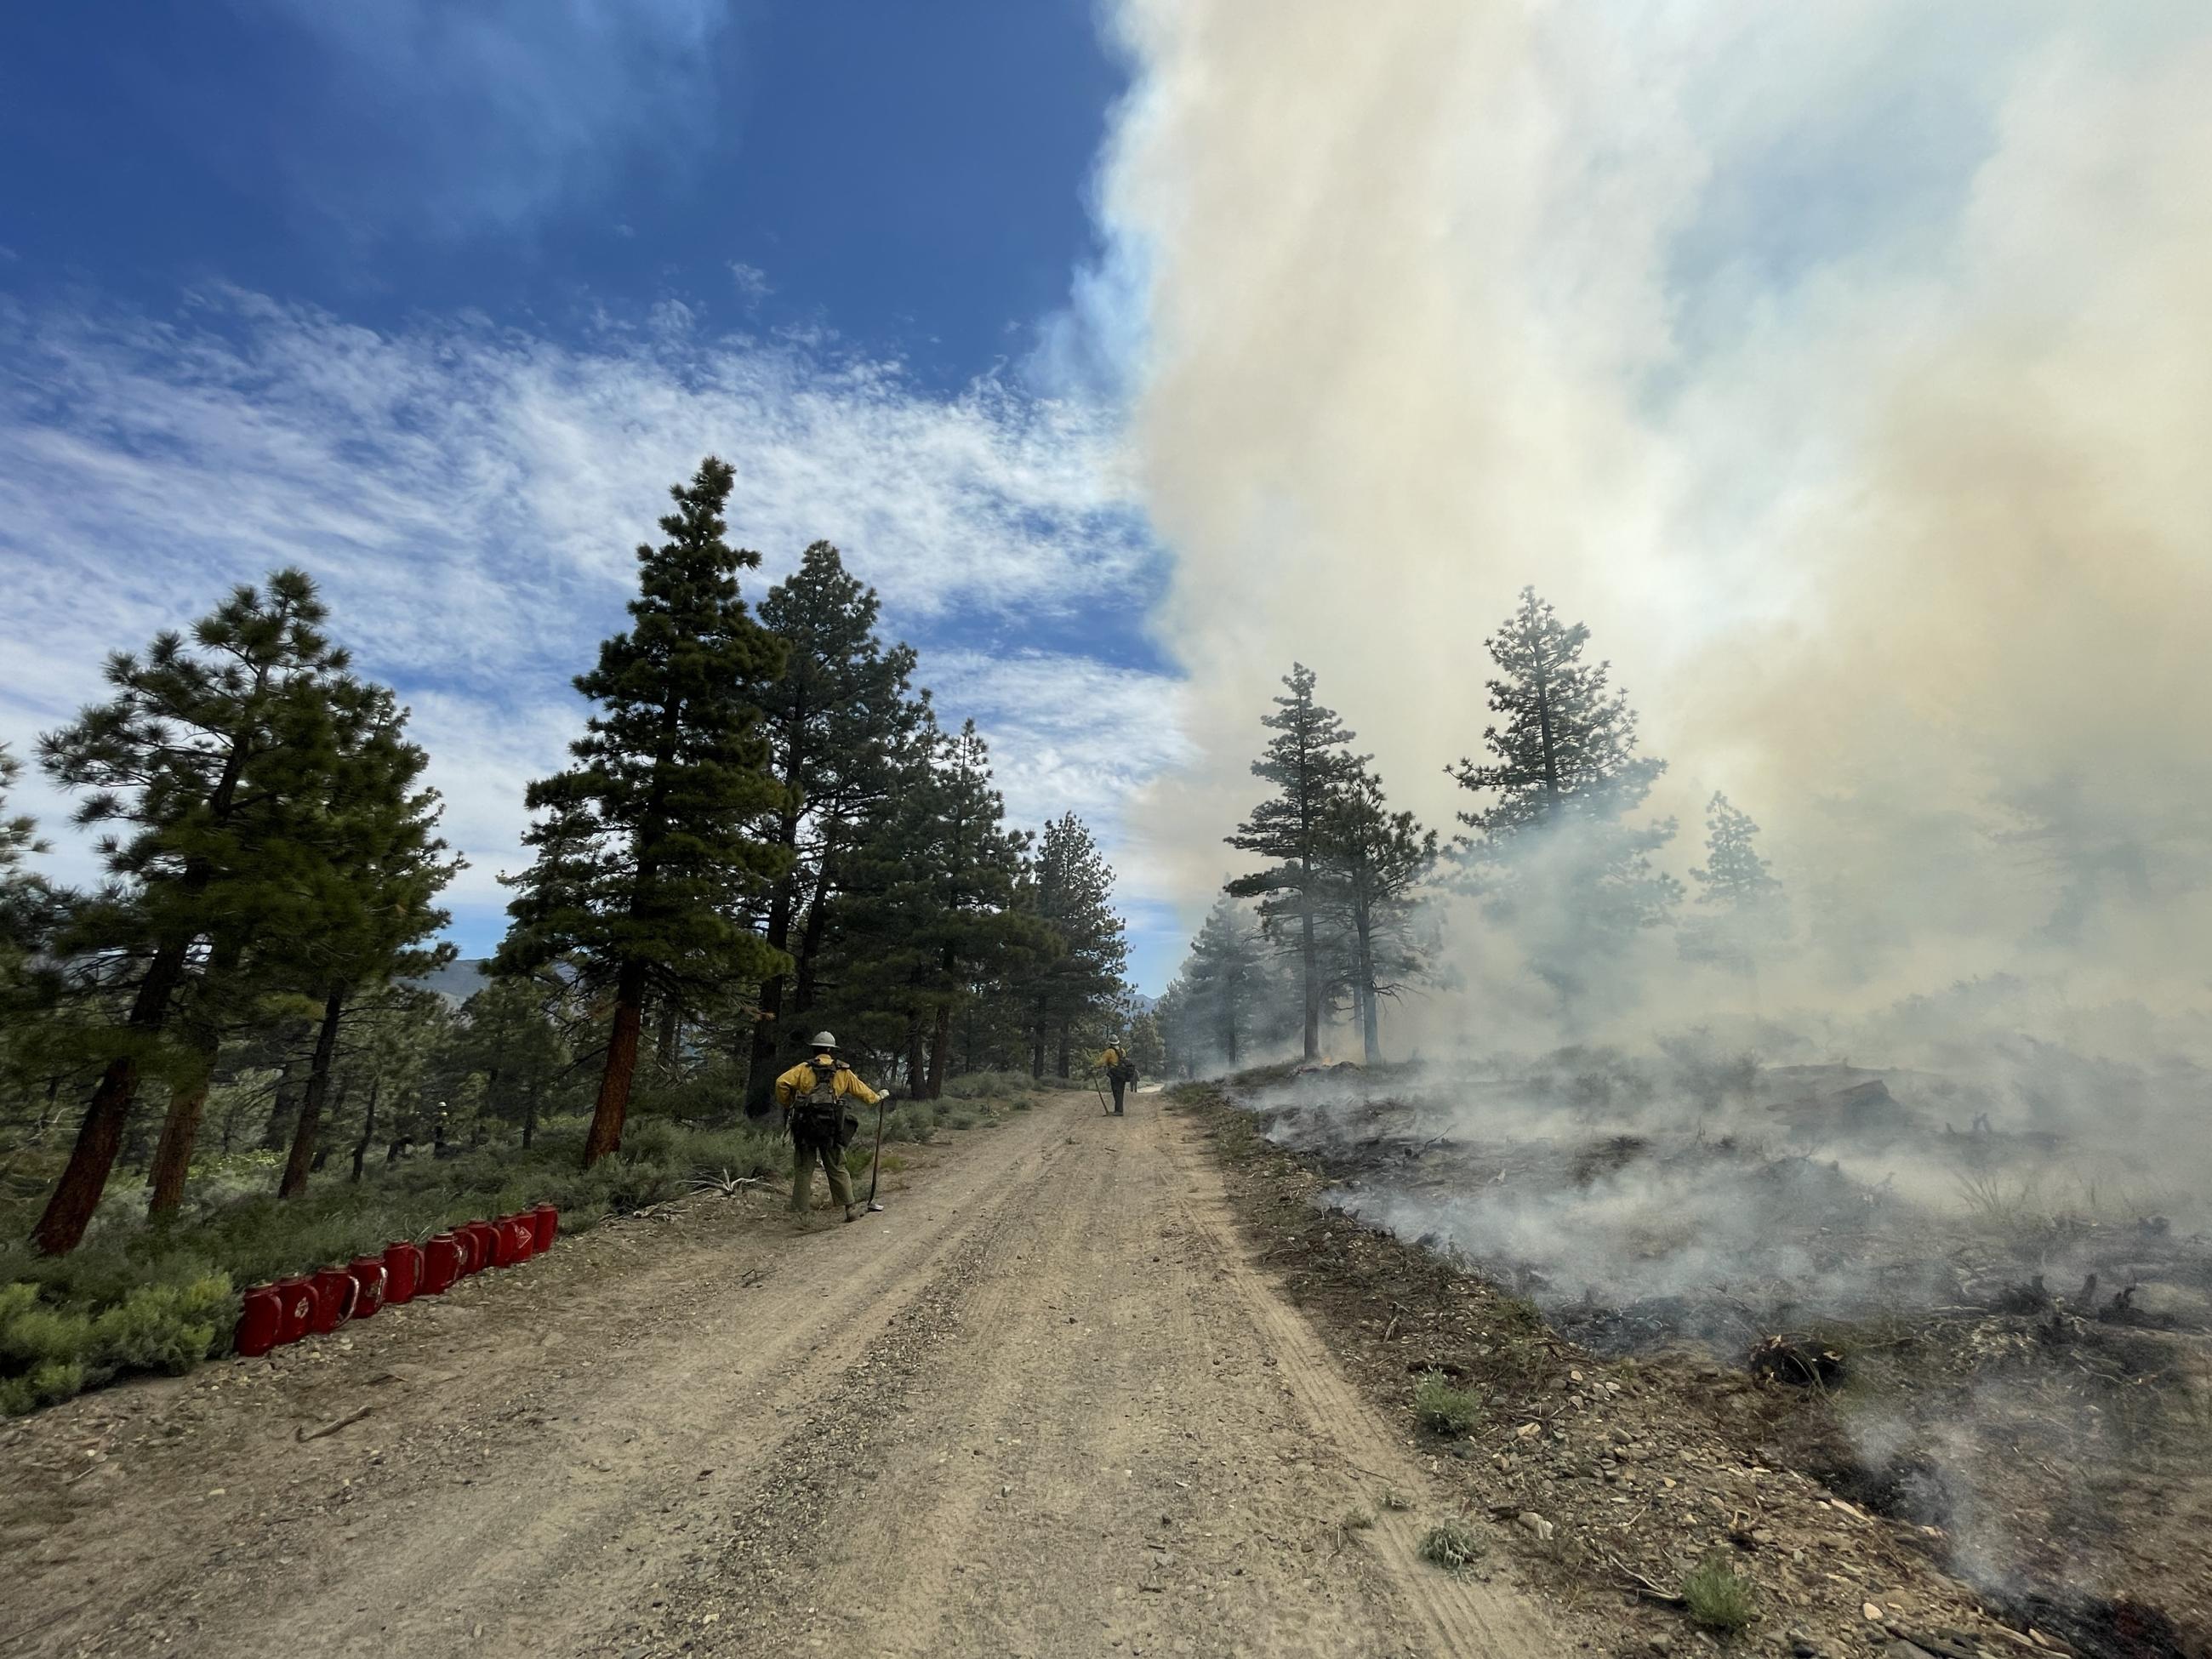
{"x": 1555, "y": 850}
{"x": 1229, "y": 999}
{"x": 1083, "y": 966}
{"x": 1568, "y": 742}
{"x": 30, "y": 912}
{"x": 647, "y": 859}
{"x": 934, "y": 917}
{"x": 28, "y": 907}
{"x": 384, "y": 1060}
{"x": 1743, "y": 912}
{"x": 508, "y": 1036}
{"x": 1305, "y": 762}
{"x": 367, "y": 883}
{"x": 1373, "y": 859}
{"x": 19, "y": 834}
{"x": 835, "y": 718}
{"x": 188, "y": 761}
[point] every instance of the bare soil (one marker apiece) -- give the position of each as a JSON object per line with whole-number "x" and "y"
{"x": 1051, "y": 1402}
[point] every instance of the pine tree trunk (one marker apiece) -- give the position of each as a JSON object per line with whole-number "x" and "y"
{"x": 1313, "y": 973}
{"x": 803, "y": 987}
{"x": 613, "y": 1103}
{"x": 1037, "y": 1048}
{"x": 940, "y": 1043}
{"x": 1062, "y": 1058}
{"x": 180, "y": 1127}
{"x": 298, "y": 1166}
{"x": 280, "y": 1107}
{"x": 1370, "y": 1027}
{"x": 77, "y": 1195}
{"x": 760, "y": 1077}
{"x": 671, "y": 1037}
{"x": 914, "y": 1073}
{"x": 368, "y": 1126}
{"x": 529, "y": 1120}
{"x": 760, "y": 1071}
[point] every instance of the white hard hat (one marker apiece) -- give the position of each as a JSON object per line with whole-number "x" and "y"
{"x": 825, "y": 1039}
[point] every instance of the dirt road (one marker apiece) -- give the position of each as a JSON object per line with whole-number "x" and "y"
{"x": 1044, "y": 1404}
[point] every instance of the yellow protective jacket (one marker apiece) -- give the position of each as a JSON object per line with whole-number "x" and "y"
{"x": 799, "y": 1080}
{"x": 1110, "y": 1059}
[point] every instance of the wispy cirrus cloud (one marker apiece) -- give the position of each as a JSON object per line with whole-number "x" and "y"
{"x": 470, "y": 497}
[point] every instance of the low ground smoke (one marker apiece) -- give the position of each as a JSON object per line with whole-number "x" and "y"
{"x": 1692, "y": 1191}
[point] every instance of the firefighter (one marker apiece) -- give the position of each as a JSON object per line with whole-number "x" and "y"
{"x": 1120, "y": 1070}
{"x": 813, "y": 1094}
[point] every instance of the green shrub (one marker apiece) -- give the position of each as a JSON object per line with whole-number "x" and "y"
{"x": 1717, "y": 1595}
{"x": 916, "y": 1121}
{"x": 166, "y": 1327}
{"x": 1452, "y": 1545}
{"x": 34, "y": 1333}
{"x": 140, "y": 1296}
{"x": 987, "y": 1086}
{"x": 749, "y": 1151}
{"x": 53, "y": 1382}
{"x": 1444, "y": 1407}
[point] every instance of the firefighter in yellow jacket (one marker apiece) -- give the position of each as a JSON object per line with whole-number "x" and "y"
{"x": 813, "y": 1094}
{"x": 1120, "y": 1071}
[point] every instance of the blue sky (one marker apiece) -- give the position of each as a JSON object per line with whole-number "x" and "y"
{"x": 1124, "y": 400}
{"x": 436, "y": 300}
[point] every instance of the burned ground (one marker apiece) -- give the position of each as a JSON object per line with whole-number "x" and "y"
{"x": 1987, "y": 1453}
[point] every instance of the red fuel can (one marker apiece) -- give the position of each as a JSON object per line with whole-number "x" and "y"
{"x": 261, "y": 1323}
{"x": 510, "y": 1242}
{"x": 485, "y": 1246}
{"x": 298, "y": 1299}
{"x": 442, "y": 1257}
{"x": 336, "y": 1292}
{"x": 368, "y": 1273}
{"x": 403, "y": 1271}
{"x": 545, "y": 1223}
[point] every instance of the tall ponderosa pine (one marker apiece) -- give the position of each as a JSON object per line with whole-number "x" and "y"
{"x": 1569, "y": 741}
{"x": 1554, "y": 845}
{"x": 1374, "y": 860}
{"x": 1742, "y": 911}
{"x": 367, "y": 883}
{"x": 1074, "y": 890}
{"x": 1305, "y": 761}
{"x": 188, "y": 762}
{"x": 835, "y": 718}
{"x": 647, "y": 860}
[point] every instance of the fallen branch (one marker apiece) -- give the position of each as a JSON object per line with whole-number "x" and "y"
{"x": 335, "y": 1424}
{"x": 2034, "y": 1643}
{"x": 1642, "y": 1586}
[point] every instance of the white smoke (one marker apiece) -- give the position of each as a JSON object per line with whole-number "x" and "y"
{"x": 1839, "y": 366}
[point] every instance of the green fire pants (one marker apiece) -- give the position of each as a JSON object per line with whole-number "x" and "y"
{"x": 804, "y": 1155}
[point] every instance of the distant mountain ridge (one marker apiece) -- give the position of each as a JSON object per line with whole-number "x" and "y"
{"x": 457, "y": 982}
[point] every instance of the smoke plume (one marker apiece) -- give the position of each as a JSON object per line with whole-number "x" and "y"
{"x": 1839, "y": 366}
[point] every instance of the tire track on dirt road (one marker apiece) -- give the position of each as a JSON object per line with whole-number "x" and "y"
{"x": 538, "y": 1475}
{"x": 1118, "y": 1442}
{"x": 1047, "y": 1405}
{"x": 1461, "y": 1615}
